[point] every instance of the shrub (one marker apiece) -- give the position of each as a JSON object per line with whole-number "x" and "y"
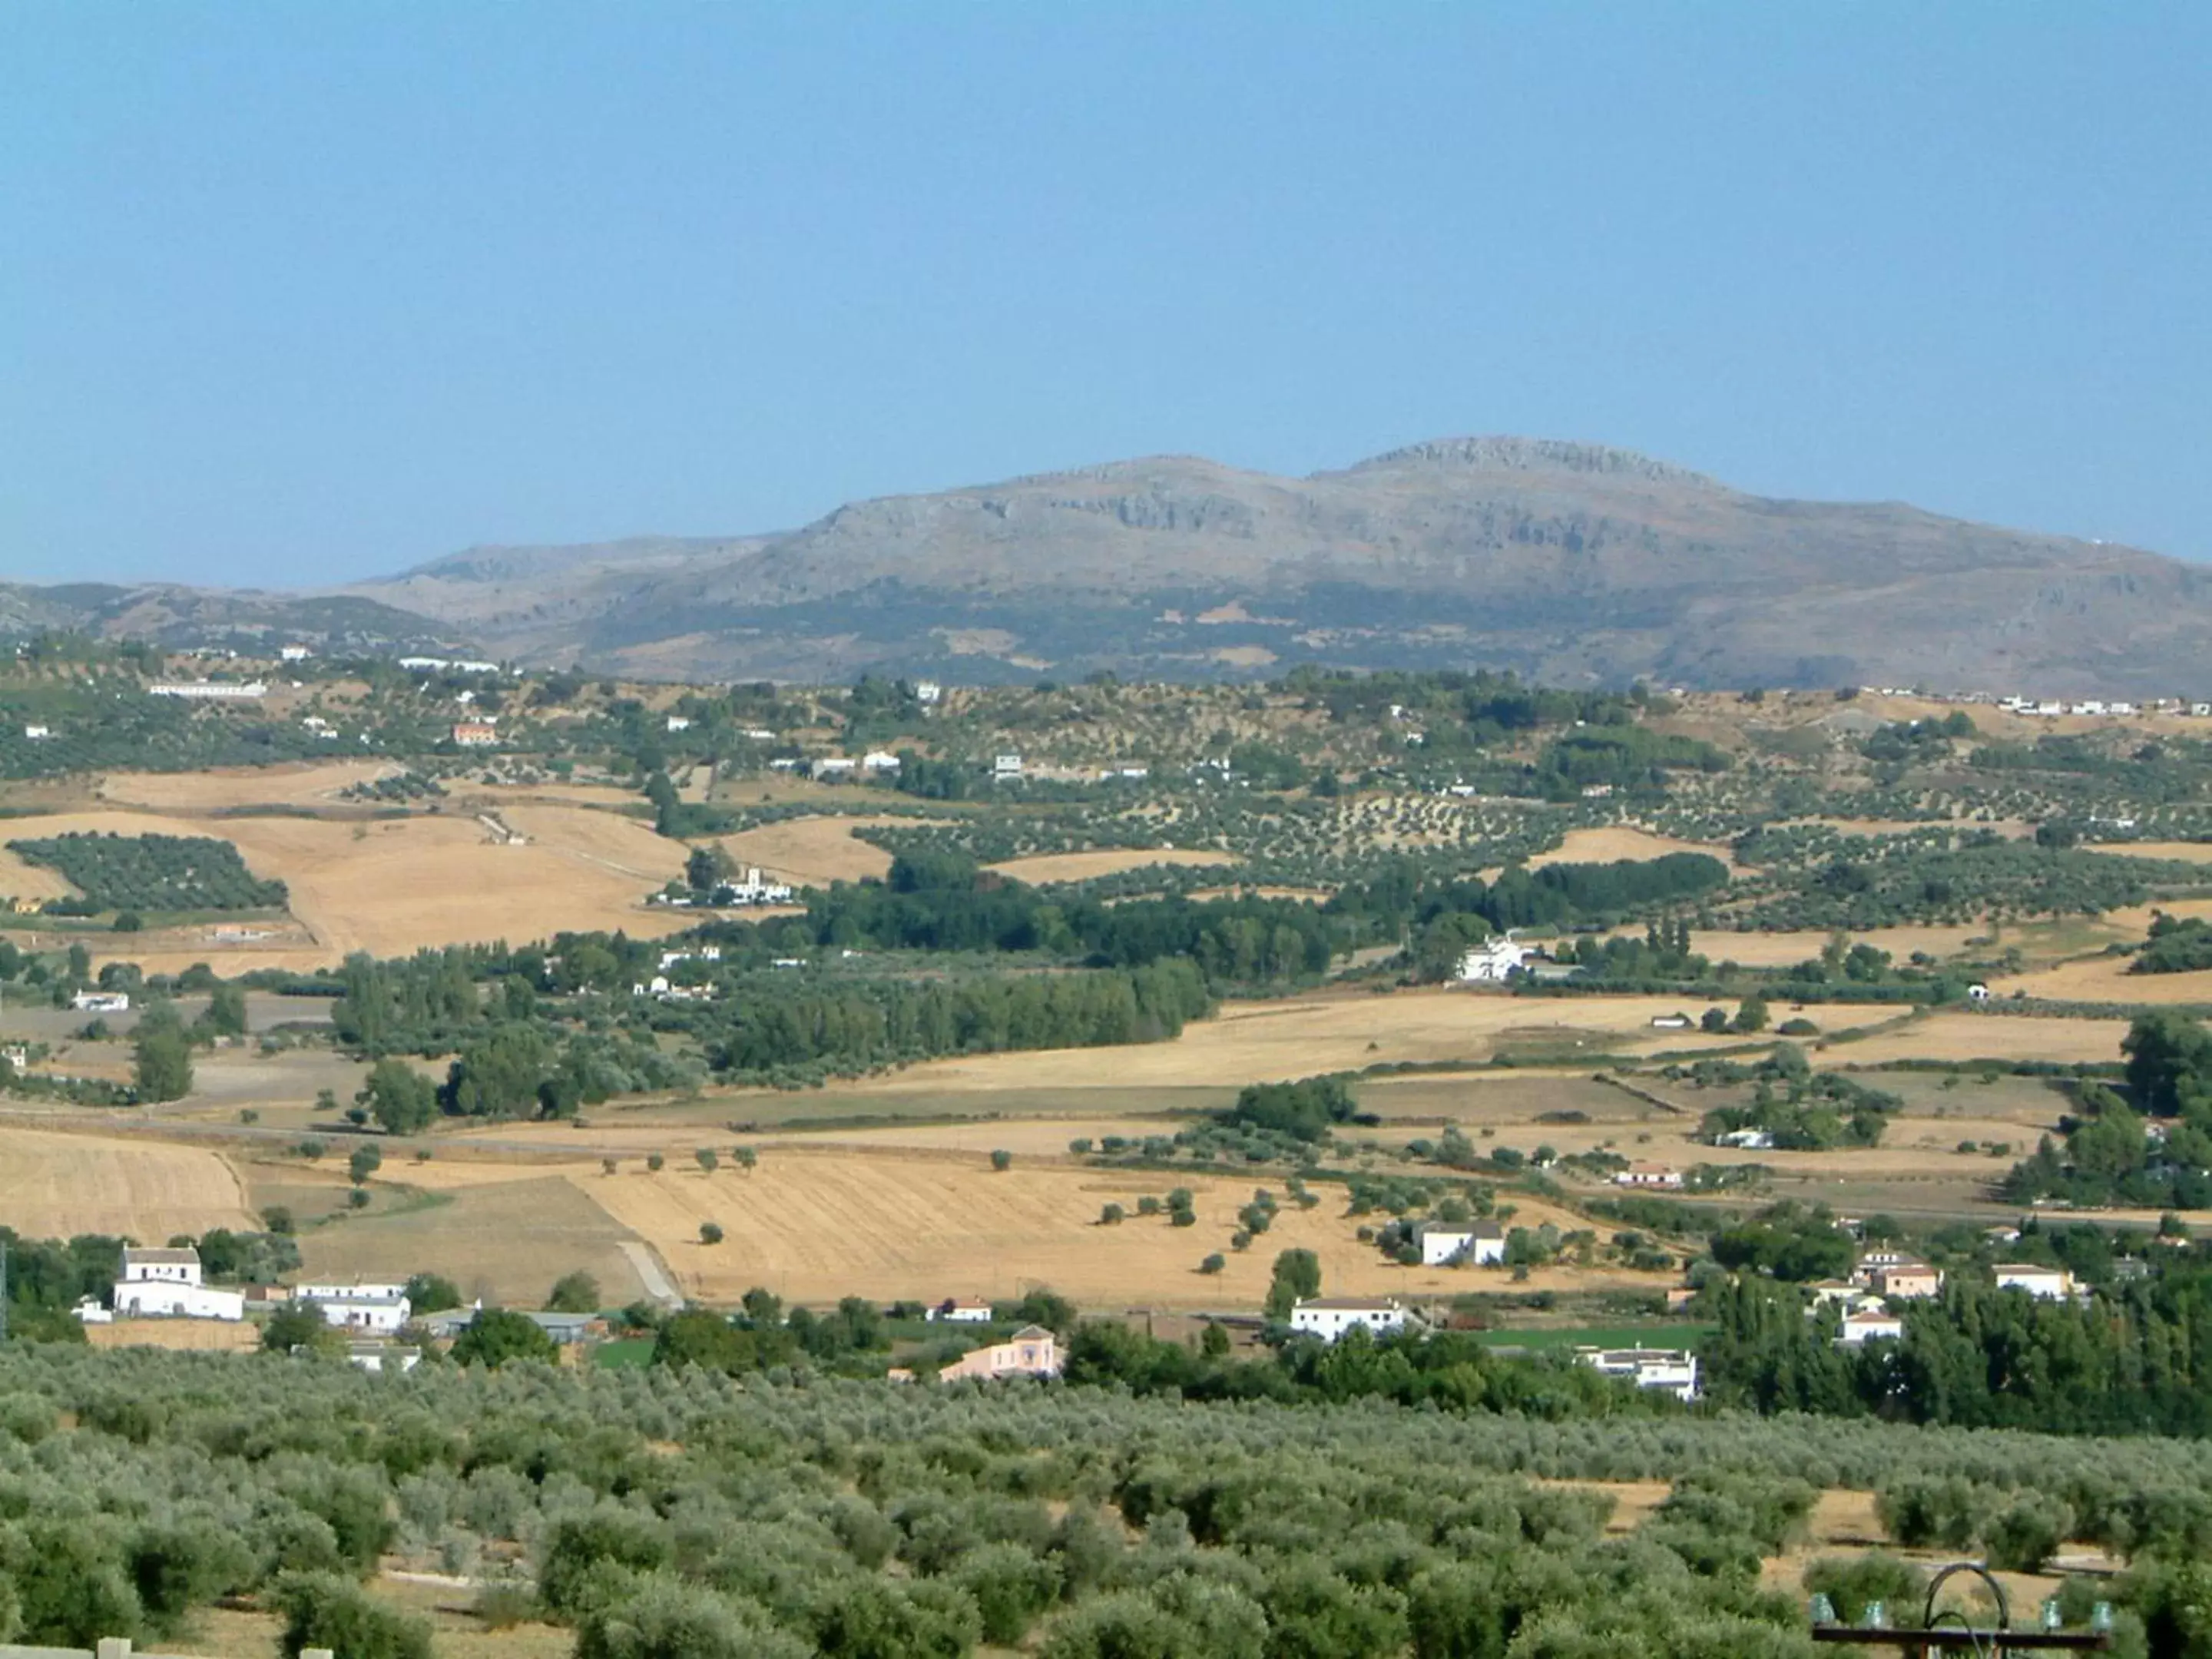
{"x": 1012, "y": 1586}
{"x": 710, "y": 1232}
{"x": 1002, "y": 1160}
{"x": 1214, "y": 1263}
{"x": 568, "y": 1568}
{"x": 661, "y": 1618}
{"x": 1850, "y": 1582}
{"x": 322, "y": 1610}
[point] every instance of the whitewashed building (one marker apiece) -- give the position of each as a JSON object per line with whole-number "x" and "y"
{"x": 1670, "y": 1371}
{"x": 1329, "y": 1317}
{"x": 2043, "y": 1283}
{"x": 166, "y": 1284}
{"x": 1475, "y": 1244}
{"x": 1490, "y": 963}
{"x": 101, "y": 1002}
{"x": 961, "y": 1311}
{"x": 1860, "y": 1328}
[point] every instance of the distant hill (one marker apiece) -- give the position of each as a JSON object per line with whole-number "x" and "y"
{"x": 1570, "y": 563}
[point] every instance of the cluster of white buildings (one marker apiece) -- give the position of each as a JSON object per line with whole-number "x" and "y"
{"x": 168, "y": 1283}
{"x": 442, "y": 665}
{"x": 839, "y": 769}
{"x": 1495, "y": 961}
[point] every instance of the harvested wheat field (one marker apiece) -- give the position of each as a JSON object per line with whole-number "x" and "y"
{"x": 54, "y": 1185}
{"x": 505, "y": 1240}
{"x": 1983, "y": 1036}
{"x": 816, "y": 1225}
{"x": 393, "y": 887}
{"x": 1617, "y": 841}
{"x": 1301, "y": 1037}
{"x": 1039, "y": 868}
{"x": 307, "y": 783}
{"x": 184, "y": 1335}
{"x": 813, "y": 852}
{"x": 1781, "y": 950}
{"x": 2106, "y": 979}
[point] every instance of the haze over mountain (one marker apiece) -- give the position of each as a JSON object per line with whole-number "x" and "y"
{"x": 1570, "y": 563}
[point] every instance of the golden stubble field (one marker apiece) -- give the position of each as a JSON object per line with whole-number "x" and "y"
{"x": 310, "y": 783}
{"x": 1612, "y": 842}
{"x": 1040, "y": 868}
{"x": 53, "y": 1185}
{"x": 1296, "y": 1037}
{"x": 816, "y": 1223}
{"x": 814, "y": 851}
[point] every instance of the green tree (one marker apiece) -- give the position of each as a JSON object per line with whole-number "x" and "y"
{"x": 1296, "y": 1277}
{"x": 162, "y": 1062}
{"x": 363, "y": 1162}
{"x": 710, "y": 1232}
{"x": 708, "y": 1161}
{"x": 576, "y": 1292}
{"x": 428, "y": 1293}
{"x": 299, "y": 1325}
{"x": 400, "y": 1098}
{"x": 1002, "y": 1160}
{"x": 497, "y": 1335}
{"x": 1751, "y": 1015}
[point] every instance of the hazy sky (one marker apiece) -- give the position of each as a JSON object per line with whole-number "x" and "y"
{"x": 295, "y": 293}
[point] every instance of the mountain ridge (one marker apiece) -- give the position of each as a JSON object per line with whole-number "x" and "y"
{"x": 1570, "y": 561}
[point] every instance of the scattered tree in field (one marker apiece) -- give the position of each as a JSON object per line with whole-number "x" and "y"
{"x": 1110, "y": 1215}
{"x": 1002, "y": 1160}
{"x": 1214, "y": 1263}
{"x": 400, "y": 1098}
{"x": 162, "y": 1064}
{"x": 708, "y": 1161}
{"x": 710, "y": 1232}
{"x": 748, "y": 1158}
{"x": 655, "y": 1161}
{"x": 576, "y": 1292}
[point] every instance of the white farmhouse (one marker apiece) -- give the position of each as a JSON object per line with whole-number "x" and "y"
{"x": 1860, "y": 1328}
{"x": 1670, "y": 1371}
{"x": 1491, "y": 962}
{"x": 1329, "y": 1317}
{"x": 2043, "y": 1283}
{"x": 1006, "y": 766}
{"x": 376, "y": 1316}
{"x": 101, "y": 1002}
{"x": 166, "y": 1284}
{"x": 961, "y": 1311}
{"x": 1648, "y": 1175}
{"x": 1476, "y": 1245}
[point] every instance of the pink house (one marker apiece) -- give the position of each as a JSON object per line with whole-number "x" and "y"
{"x": 1033, "y": 1352}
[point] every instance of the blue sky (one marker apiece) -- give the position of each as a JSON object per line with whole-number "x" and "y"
{"x": 296, "y": 294}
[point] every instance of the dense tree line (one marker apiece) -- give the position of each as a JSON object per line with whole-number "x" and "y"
{"x": 2136, "y": 1360}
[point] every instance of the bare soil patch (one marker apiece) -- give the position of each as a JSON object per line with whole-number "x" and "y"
{"x": 183, "y": 1335}
{"x": 1978, "y": 1036}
